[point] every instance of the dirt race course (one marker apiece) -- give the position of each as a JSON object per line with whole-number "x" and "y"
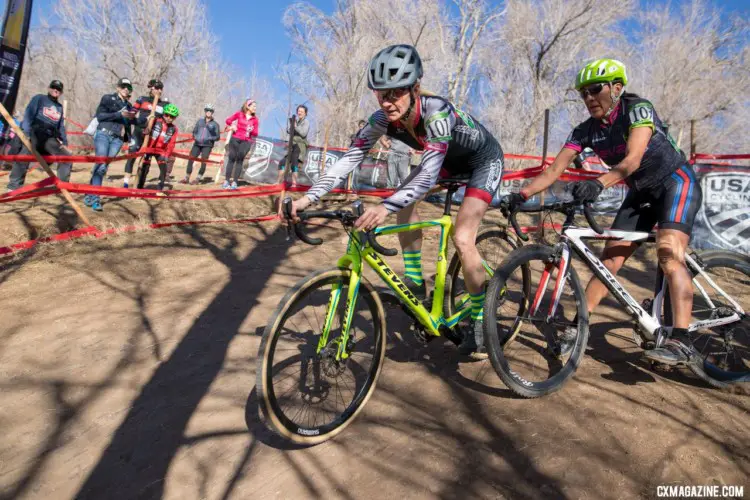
{"x": 127, "y": 368}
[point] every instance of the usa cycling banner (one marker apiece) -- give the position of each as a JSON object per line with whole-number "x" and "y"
{"x": 269, "y": 155}
{"x": 724, "y": 218}
{"x": 12, "y": 50}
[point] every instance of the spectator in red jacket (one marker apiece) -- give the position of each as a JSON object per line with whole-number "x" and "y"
{"x": 244, "y": 127}
{"x": 162, "y": 137}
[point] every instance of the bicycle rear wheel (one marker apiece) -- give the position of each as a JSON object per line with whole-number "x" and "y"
{"x": 532, "y": 356}
{"x": 308, "y": 396}
{"x": 493, "y": 245}
{"x": 725, "y": 349}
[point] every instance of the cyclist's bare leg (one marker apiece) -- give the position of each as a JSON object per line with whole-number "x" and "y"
{"x": 464, "y": 237}
{"x": 411, "y": 241}
{"x": 614, "y": 256}
{"x": 671, "y": 245}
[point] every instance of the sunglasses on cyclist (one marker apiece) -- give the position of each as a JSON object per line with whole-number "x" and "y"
{"x": 592, "y": 90}
{"x": 392, "y": 94}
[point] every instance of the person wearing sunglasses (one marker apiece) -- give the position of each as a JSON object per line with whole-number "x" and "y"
{"x": 625, "y": 131}
{"x": 453, "y": 141}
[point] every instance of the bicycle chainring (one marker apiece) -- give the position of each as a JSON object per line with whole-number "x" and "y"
{"x": 421, "y": 334}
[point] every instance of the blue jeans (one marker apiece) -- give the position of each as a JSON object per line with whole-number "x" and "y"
{"x": 104, "y": 145}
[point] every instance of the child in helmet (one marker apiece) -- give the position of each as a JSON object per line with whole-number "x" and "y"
{"x": 162, "y": 138}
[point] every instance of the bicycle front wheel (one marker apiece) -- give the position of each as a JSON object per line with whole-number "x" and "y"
{"x": 534, "y": 356}
{"x": 306, "y": 394}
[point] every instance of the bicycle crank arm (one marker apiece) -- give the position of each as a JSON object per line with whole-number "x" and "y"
{"x": 451, "y": 334}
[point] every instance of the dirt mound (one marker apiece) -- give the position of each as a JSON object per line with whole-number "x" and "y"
{"x": 128, "y": 371}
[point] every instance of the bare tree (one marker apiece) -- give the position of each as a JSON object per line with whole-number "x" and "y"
{"x": 90, "y": 44}
{"x": 505, "y": 65}
{"x": 474, "y": 31}
{"x": 691, "y": 63}
{"x": 543, "y": 44}
{"x": 138, "y": 38}
{"x": 332, "y": 52}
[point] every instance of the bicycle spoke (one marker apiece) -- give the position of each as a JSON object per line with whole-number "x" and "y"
{"x": 535, "y": 357}
{"x": 312, "y": 389}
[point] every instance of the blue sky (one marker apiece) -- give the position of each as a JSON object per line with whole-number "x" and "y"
{"x": 251, "y": 33}
{"x": 254, "y": 35}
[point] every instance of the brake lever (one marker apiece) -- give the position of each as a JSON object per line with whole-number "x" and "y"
{"x": 590, "y": 218}
{"x": 295, "y": 227}
{"x": 516, "y": 227}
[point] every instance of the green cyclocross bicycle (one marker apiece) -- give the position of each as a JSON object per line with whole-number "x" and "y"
{"x": 323, "y": 348}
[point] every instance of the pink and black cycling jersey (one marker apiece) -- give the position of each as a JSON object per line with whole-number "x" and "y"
{"x": 451, "y": 139}
{"x": 609, "y": 139}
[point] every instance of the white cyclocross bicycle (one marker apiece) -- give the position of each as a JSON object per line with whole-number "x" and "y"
{"x": 535, "y": 295}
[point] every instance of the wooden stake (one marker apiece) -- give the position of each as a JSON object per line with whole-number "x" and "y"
{"x": 322, "y": 167}
{"x": 692, "y": 139}
{"x": 147, "y": 136}
{"x": 42, "y": 162}
{"x": 545, "y": 139}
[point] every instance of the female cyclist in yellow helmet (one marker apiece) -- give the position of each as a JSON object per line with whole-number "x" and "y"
{"x": 625, "y": 131}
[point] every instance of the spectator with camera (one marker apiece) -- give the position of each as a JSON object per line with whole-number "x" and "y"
{"x": 115, "y": 115}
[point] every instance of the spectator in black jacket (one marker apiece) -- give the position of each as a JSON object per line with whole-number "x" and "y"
{"x": 206, "y": 132}
{"x": 44, "y": 124}
{"x": 115, "y": 115}
{"x": 143, "y": 107}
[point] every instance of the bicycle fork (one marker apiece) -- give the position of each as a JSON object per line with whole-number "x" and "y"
{"x": 560, "y": 259}
{"x": 342, "y": 351}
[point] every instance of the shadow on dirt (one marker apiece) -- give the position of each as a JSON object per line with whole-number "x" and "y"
{"x": 137, "y": 459}
{"x": 454, "y": 442}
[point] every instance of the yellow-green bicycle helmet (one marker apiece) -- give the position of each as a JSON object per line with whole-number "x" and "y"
{"x": 601, "y": 71}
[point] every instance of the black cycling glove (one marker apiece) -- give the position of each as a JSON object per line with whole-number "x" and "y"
{"x": 515, "y": 200}
{"x": 587, "y": 191}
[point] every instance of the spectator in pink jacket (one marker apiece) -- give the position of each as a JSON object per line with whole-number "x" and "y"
{"x": 244, "y": 127}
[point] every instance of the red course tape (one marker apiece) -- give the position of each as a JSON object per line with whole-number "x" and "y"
{"x": 92, "y": 231}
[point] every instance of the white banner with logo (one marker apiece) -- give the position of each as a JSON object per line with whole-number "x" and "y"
{"x": 724, "y": 217}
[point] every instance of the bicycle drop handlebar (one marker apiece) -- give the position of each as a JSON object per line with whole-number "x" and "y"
{"x": 346, "y": 217}
{"x": 563, "y": 207}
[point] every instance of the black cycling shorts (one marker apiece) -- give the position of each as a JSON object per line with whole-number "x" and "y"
{"x": 673, "y": 204}
{"x": 483, "y": 176}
